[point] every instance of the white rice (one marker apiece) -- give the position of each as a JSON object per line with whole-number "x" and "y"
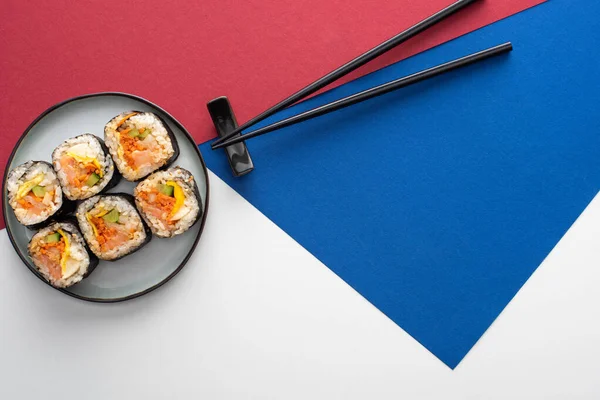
{"x": 186, "y": 180}
{"x": 97, "y": 152}
{"x": 78, "y": 255}
{"x": 159, "y": 139}
{"x": 25, "y": 172}
{"x": 128, "y": 215}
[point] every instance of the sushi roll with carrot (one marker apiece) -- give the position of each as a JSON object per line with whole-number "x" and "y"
{"x": 111, "y": 226}
{"x": 169, "y": 201}
{"x": 140, "y": 143}
{"x": 60, "y": 255}
{"x": 34, "y": 193}
{"x": 84, "y": 167}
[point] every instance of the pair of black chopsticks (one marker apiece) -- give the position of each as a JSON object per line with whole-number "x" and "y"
{"x": 375, "y": 52}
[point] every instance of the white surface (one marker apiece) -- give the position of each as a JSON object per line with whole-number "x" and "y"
{"x": 269, "y": 321}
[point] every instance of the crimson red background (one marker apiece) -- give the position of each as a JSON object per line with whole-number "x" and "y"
{"x": 181, "y": 53}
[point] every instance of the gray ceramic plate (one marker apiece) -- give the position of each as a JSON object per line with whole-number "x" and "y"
{"x": 154, "y": 264}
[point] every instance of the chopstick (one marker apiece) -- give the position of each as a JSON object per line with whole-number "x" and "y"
{"x": 374, "y": 92}
{"x": 350, "y": 66}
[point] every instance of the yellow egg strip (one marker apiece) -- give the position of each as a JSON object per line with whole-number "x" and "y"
{"x": 88, "y": 216}
{"x": 27, "y": 186}
{"x": 88, "y": 160}
{"x": 65, "y": 255}
{"x": 89, "y": 219}
{"x": 179, "y": 197}
{"x": 101, "y": 213}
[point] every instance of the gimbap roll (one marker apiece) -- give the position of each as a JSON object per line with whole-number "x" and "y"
{"x": 112, "y": 226}
{"x": 60, "y": 255}
{"x": 169, "y": 201}
{"x": 140, "y": 143}
{"x": 84, "y": 167}
{"x": 34, "y": 193}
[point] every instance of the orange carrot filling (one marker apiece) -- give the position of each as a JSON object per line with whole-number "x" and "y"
{"x": 161, "y": 200}
{"x": 85, "y": 172}
{"x": 104, "y": 232}
{"x": 53, "y": 251}
{"x": 129, "y": 145}
{"x": 31, "y": 200}
{"x": 78, "y": 173}
{"x": 60, "y": 246}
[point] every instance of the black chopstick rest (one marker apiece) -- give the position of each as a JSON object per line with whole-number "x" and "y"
{"x": 224, "y": 120}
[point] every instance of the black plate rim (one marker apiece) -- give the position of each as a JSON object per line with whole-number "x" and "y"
{"x": 202, "y": 223}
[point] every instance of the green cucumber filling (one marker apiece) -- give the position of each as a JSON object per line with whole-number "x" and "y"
{"x": 133, "y": 133}
{"x": 143, "y": 135}
{"x": 112, "y": 216}
{"x": 92, "y": 179}
{"x": 167, "y": 190}
{"x": 54, "y": 238}
{"x": 38, "y": 191}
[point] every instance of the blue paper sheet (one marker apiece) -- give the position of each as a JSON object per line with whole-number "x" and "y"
{"x": 437, "y": 202}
